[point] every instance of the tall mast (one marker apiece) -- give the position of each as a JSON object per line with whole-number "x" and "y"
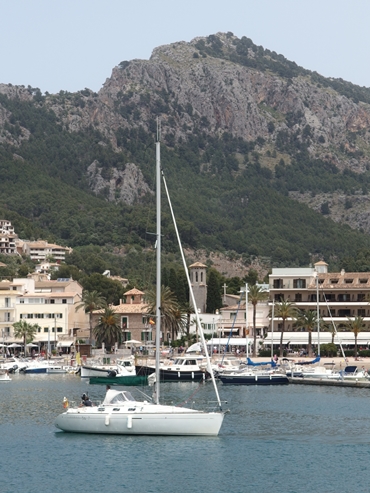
{"x": 158, "y": 275}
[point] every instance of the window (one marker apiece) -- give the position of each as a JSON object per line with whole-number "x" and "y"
{"x": 7, "y": 302}
{"x": 298, "y": 297}
{"x": 344, "y": 297}
{"x": 329, "y": 297}
{"x": 278, "y": 283}
{"x": 362, "y": 281}
{"x": 348, "y": 281}
{"x": 333, "y": 281}
{"x": 46, "y": 329}
{"x": 146, "y": 336}
{"x": 299, "y": 283}
{"x": 279, "y": 297}
{"x": 201, "y": 277}
{"x": 361, "y": 312}
{"x": 59, "y": 329}
{"x": 52, "y": 301}
{"x": 196, "y": 277}
{"x": 360, "y": 297}
{"x": 21, "y": 300}
{"x": 124, "y": 323}
{"x": 127, "y": 336}
{"x": 64, "y": 301}
{"x": 232, "y": 315}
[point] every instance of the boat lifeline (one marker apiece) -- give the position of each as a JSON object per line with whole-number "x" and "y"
{"x": 119, "y": 412}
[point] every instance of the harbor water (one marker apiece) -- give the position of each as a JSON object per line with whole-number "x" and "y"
{"x": 291, "y": 438}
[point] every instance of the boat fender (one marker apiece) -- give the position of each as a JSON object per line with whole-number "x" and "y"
{"x": 112, "y": 374}
{"x": 129, "y": 422}
{"x": 107, "y": 420}
{"x": 192, "y": 375}
{"x": 65, "y": 403}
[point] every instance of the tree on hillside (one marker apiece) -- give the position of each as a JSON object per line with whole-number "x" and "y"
{"x": 24, "y": 330}
{"x": 214, "y": 300}
{"x": 255, "y": 295}
{"x": 284, "y": 310}
{"x": 91, "y": 300}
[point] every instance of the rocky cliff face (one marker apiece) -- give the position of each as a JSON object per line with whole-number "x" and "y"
{"x": 211, "y": 86}
{"x": 191, "y": 91}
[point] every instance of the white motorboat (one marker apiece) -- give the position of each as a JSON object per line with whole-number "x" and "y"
{"x": 351, "y": 373}
{"x": 41, "y": 366}
{"x": 254, "y": 377}
{"x": 122, "y": 368}
{"x": 14, "y": 365}
{"x": 181, "y": 369}
{"x": 120, "y": 413}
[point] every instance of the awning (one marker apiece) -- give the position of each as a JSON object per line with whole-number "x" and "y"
{"x": 65, "y": 343}
{"x": 301, "y": 338}
{"x": 233, "y": 341}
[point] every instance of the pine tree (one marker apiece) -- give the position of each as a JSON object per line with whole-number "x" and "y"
{"x": 214, "y": 301}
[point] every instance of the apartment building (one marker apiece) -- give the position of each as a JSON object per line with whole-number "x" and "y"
{"x": 52, "y": 306}
{"x": 42, "y": 250}
{"x": 336, "y": 295}
{"x": 7, "y": 238}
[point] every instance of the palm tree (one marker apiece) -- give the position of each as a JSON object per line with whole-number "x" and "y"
{"x": 90, "y": 301}
{"x": 187, "y": 308}
{"x": 24, "y": 330}
{"x": 172, "y": 316}
{"x": 356, "y": 325}
{"x": 108, "y": 329}
{"x": 284, "y": 310}
{"x": 307, "y": 319}
{"x": 255, "y": 294}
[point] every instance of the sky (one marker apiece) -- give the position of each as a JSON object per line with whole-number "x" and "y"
{"x": 73, "y": 44}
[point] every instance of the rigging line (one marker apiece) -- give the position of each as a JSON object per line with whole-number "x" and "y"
{"x": 332, "y": 321}
{"x": 200, "y": 328}
{"x": 232, "y": 327}
{"x": 190, "y": 396}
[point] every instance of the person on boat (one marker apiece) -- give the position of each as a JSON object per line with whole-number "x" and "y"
{"x": 85, "y": 401}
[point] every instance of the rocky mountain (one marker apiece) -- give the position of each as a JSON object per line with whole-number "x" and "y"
{"x": 230, "y": 112}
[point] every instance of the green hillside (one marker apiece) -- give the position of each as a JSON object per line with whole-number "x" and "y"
{"x": 223, "y": 198}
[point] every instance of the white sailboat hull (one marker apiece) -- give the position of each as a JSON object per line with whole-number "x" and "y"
{"x": 155, "y": 420}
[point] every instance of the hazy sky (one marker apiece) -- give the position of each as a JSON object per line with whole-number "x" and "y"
{"x": 73, "y": 44}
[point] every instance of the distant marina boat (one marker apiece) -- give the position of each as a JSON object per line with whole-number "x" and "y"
{"x": 182, "y": 369}
{"x": 254, "y": 377}
{"x": 124, "y": 368}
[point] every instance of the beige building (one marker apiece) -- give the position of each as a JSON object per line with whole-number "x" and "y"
{"x": 134, "y": 319}
{"x": 41, "y": 250}
{"x": 52, "y": 306}
{"x": 336, "y": 295}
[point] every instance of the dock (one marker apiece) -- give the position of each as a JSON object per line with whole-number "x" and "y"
{"x": 329, "y": 382}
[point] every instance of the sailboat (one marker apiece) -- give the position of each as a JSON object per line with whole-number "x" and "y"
{"x": 120, "y": 413}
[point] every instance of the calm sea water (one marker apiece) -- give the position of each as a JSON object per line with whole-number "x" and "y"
{"x": 286, "y": 438}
